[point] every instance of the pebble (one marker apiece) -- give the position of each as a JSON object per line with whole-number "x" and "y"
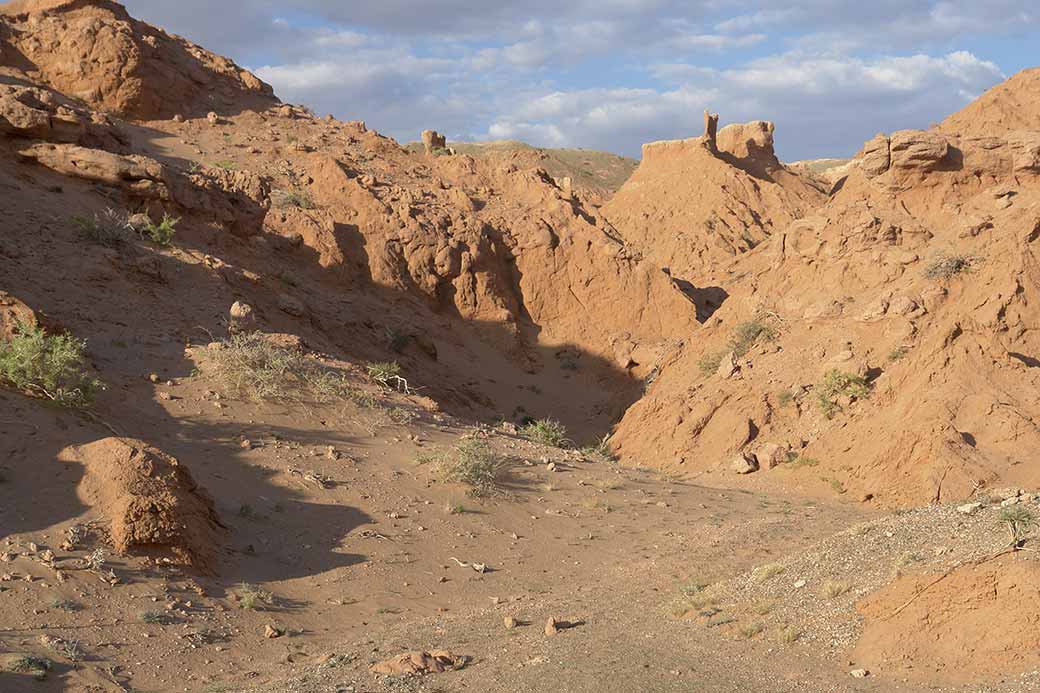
{"x": 859, "y": 673}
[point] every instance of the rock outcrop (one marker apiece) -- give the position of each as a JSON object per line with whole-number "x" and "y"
{"x": 97, "y": 52}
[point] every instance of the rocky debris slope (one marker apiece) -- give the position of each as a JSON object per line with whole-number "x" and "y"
{"x": 694, "y": 202}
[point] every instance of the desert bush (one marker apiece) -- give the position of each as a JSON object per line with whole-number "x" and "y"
{"x": 946, "y": 266}
{"x": 252, "y": 366}
{"x": 37, "y": 667}
{"x": 1019, "y": 520}
{"x": 834, "y": 588}
{"x": 107, "y": 228}
{"x": 709, "y": 363}
{"x": 765, "y": 572}
{"x": 747, "y": 334}
{"x": 837, "y": 384}
{"x": 547, "y": 432}
{"x": 388, "y": 374}
{"x": 294, "y": 197}
{"x": 154, "y": 618}
{"x": 226, "y": 164}
{"x": 474, "y": 463}
{"x": 750, "y": 630}
{"x": 744, "y": 336}
{"x": 52, "y": 367}
{"x": 601, "y": 450}
{"x": 253, "y": 597}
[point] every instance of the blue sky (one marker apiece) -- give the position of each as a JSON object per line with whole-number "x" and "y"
{"x": 612, "y": 74}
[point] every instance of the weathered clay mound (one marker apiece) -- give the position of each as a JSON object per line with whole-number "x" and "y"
{"x": 94, "y": 51}
{"x": 1011, "y": 105}
{"x": 977, "y": 623}
{"x": 496, "y": 245}
{"x": 920, "y": 278}
{"x": 151, "y": 501}
{"x": 691, "y": 204}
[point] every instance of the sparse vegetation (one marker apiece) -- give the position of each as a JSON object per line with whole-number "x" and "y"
{"x": 1019, "y": 521}
{"x": 797, "y": 461}
{"x": 154, "y": 618}
{"x": 601, "y": 450}
{"x": 750, "y": 630}
{"x": 69, "y": 649}
{"x": 108, "y": 228}
{"x": 834, "y": 588}
{"x": 547, "y": 432}
{"x": 160, "y": 234}
{"x": 37, "y": 667}
{"x": 455, "y": 509}
{"x": 788, "y": 634}
{"x": 113, "y": 227}
{"x": 253, "y": 366}
{"x": 765, "y": 572}
{"x": 474, "y": 463}
{"x": 945, "y": 266}
{"x": 51, "y": 367}
{"x": 294, "y": 197}
{"x": 839, "y": 384}
{"x": 785, "y": 397}
{"x": 744, "y": 336}
{"x": 252, "y": 597}
{"x": 226, "y": 164}
{"x": 897, "y": 353}
{"x": 65, "y": 605}
{"x": 388, "y": 374}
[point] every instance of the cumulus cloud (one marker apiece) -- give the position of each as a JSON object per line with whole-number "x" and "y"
{"x": 613, "y": 74}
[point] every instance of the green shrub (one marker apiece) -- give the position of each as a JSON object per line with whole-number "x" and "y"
{"x": 226, "y": 164}
{"x": 547, "y": 432}
{"x": 474, "y": 463}
{"x": 253, "y": 597}
{"x": 161, "y": 233}
{"x": 836, "y": 384}
{"x": 48, "y": 366}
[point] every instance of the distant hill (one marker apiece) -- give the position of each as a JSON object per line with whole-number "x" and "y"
{"x": 591, "y": 170}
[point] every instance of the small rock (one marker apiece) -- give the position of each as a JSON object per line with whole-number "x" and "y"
{"x": 799, "y": 584}
{"x": 859, "y": 673}
{"x": 213, "y": 118}
{"x": 968, "y": 508}
{"x": 551, "y": 467}
{"x": 178, "y": 118}
{"x": 744, "y": 464}
{"x": 271, "y": 632}
{"x": 509, "y": 622}
{"x": 153, "y": 377}
{"x": 551, "y": 626}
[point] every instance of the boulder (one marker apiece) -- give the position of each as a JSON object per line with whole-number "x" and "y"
{"x": 875, "y": 157}
{"x": 744, "y": 463}
{"x": 917, "y": 149}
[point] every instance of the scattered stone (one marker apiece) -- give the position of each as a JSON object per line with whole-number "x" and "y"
{"x": 509, "y": 622}
{"x": 551, "y": 626}
{"x": 242, "y": 317}
{"x": 859, "y": 673}
{"x": 432, "y": 662}
{"x": 272, "y": 632}
{"x": 212, "y": 118}
{"x": 968, "y": 508}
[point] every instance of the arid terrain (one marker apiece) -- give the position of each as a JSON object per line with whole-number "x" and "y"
{"x": 286, "y": 405}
